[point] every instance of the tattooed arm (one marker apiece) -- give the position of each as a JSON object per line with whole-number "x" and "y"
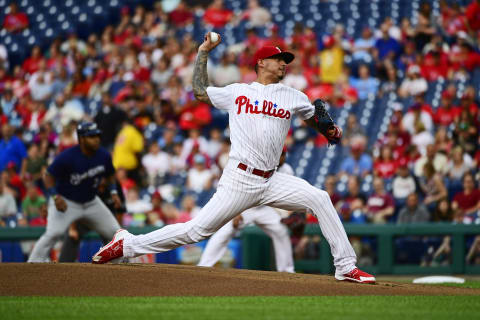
{"x": 200, "y": 77}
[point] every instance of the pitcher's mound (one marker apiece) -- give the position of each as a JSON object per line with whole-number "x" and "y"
{"x": 76, "y": 279}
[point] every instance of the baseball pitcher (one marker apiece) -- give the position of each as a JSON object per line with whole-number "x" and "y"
{"x": 260, "y": 116}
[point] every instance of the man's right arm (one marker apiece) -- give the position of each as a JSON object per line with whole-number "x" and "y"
{"x": 200, "y": 76}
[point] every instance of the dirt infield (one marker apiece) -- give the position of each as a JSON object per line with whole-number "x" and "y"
{"x": 23, "y": 279}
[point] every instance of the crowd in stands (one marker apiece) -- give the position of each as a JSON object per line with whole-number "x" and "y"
{"x": 134, "y": 80}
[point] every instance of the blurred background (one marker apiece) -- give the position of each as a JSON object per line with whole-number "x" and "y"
{"x": 401, "y": 77}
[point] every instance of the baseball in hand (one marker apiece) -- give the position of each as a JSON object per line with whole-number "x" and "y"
{"x": 214, "y": 36}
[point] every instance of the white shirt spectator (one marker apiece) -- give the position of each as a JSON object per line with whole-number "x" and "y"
{"x": 296, "y": 81}
{"x": 156, "y": 164}
{"x": 40, "y": 87}
{"x": 408, "y": 121}
{"x": 8, "y": 206}
{"x": 224, "y": 75}
{"x": 422, "y": 140}
{"x": 403, "y": 186}
{"x": 412, "y": 87}
{"x": 199, "y": 179}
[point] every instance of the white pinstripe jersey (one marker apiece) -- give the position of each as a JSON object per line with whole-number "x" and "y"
{"x": 259, "y": 118}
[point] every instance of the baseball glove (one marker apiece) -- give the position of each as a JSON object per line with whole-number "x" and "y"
{"x": 325, "y": 124}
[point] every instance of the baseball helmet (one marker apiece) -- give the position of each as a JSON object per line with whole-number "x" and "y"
{"x": 85, "y": 129}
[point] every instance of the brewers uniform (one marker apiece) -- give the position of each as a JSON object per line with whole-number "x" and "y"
{"x": 259, "y": 117}
{"x": 268, "y": 219}
{"x": 77, "y": 177}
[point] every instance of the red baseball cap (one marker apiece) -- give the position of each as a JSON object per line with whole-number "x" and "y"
{"x": 271, "y": 52}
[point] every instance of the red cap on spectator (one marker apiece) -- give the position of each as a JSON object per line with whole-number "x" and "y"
{"x": 11, "y": 165}
{"x": 156, "y": 195}
{"x": 403, "y": 162}
{"x": 271, "y": 52}
{"x": 447, "y": 95}
{"x": 125, "y": 11}
{"x": 468, "y": 95}
{"x": 328, "y": 41}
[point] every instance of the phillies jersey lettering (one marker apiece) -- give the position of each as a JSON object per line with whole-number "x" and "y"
{"x": 269, "y": 108}
{"x": 259, "y": 117}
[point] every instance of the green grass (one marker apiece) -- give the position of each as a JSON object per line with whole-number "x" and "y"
{"x": 251, "y": 308}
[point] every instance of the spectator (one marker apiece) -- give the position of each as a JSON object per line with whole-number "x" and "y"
{"x": 295, "y": 78}
{"x": 443, "y": 141}
{"x": 64, "y": 110}
{"x": 67, "y": 137}
{"x": 156, "y": 217}
{"x": 351, "y": 207}
{"x": 8, "y": 102}
{"x": 385, "y": 166}
{"x": 424, "y": 30}
{"x": 8, "y": 206}
{"x": 472, "y": 13}
{"x": 156, "y": 163}
{"x": 352, "y": 129}
{"x": 331, "y": 60}
{"x": 109, "y": 119}
{"x": 432, "y": 186}
{"x": 214, "y": 143}
{"x": 256, "y": 15}
{"x": 465, "y": 132}
{"x": 358, "y": 162}
{"x": 413, "y": 212}
{"x": 365, "y": 85}
{"x": 403, "y": 183}
{"x": 386, "y": 47}
{"x": 189, "y": 209}
{"x": 34, "y": 166}
{"x": 15, "y": 21}
{"x": 417, "y": 116}
{"x": 33, "y": 203}
{"x": 446, "y": 112}
{"x": 181, "y": 15}
{"x": 199, "y": 177}
{"x": 40, "y": 88}
{"x": 466, "y": 203}
{"x": 330, "y": 187}
{"x": 459, "y": 164}
{"x": 438, "y": 159}
{"x": 363, "y": 47}
{"x": 217, "y": 15}
{"x": 137, "y": 209}
{"x": 12, "y": 149}
{"x": 162, "y": 72}
{"x": 413, "y": 84}
{"x": 128, "y": 144}
{"x": 422, "y": 138}
{"x": 380, "y": 205}
{"x": 443, "y": 212}
{"x": 15, "y": 184}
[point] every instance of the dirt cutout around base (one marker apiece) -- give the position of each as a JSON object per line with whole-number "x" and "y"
{"x": 78, "y": 279}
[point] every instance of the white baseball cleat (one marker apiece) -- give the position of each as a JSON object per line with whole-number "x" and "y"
{"x": 113, "y": 250}
{"x": 356, "y": 275}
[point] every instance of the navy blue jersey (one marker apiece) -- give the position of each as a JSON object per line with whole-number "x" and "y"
{"x": 77, "y": 176}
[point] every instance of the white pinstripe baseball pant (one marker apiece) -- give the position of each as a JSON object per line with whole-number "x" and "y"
{"x": 238, "y": 191}
{"x": 268, "y": 220}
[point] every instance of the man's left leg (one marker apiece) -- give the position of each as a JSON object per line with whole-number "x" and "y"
{"x": 292, "y": 193}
